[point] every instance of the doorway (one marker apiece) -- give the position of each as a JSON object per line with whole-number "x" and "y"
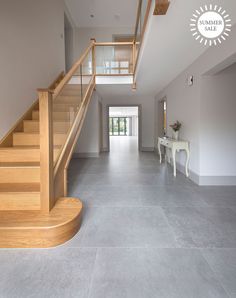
{"x": 119, "y": 126}
{"x": 124, "y": 128}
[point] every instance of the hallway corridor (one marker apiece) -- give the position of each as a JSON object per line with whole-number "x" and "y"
{"x": 145, "y": 234}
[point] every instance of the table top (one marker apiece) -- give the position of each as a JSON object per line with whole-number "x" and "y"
{"x": 169, "y": 139}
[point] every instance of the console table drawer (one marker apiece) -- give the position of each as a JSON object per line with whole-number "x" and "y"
{"x": 165, "y": 143}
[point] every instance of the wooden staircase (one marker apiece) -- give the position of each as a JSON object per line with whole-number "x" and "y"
{"x": 34, "y": 156}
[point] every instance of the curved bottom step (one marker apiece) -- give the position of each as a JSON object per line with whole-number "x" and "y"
{"x": 32, "y": 229}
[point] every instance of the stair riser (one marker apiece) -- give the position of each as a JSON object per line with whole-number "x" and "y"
{"x": 33, "y": 127}
{"x": 69, "y": 101}
{"x": 65, "y": 107}
{"x": 20, "y": 175}
{"x": 76, "y": 93}
{"x": 22, "y": 155}
{"x": 73, "y": 87}
{"x": 57, "y": 116}
{"x": 19, "y": 155}
{"x": 34, "y": 140}
{"x": 19, "y": 201}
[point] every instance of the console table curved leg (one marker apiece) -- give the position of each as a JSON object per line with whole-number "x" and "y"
{"x": 187, "y": 163}
{"x": 174, "y": 162}
{"x": 159, "y": 150}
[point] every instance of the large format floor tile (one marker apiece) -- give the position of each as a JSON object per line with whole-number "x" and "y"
{"x": 171, "y": 196}
{"x": 203, "y": 227}
{"x": 150, "y": 273}
{"x": 127, "y": 227}
{"x": 111, "y": 196}
{"x": 218, "y": 196}
{"x": 223, "y": 263}
{"x": 46, "y": 273}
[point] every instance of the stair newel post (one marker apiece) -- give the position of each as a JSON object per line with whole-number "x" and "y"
{"x": 46, "y": 149}
{"x": 93, "y": 56}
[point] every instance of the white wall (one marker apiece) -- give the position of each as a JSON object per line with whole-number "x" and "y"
{"x": 83, "y": 36}
{"x": 218, "y": 124}
{"x": 147, "y": 117}
{"x": 32, "y": 53}
{"x": 135, "y": 126}
{"x": 184, "y": 103}
{"x": 88, "y": 144}
{"x": 69, "y": 43}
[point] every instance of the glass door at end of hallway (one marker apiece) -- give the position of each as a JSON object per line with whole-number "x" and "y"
{"x": 119, "y": 126}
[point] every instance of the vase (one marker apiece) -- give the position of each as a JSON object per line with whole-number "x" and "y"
{"x": 175, "y": 135}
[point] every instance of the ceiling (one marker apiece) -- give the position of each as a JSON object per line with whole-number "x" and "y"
{"x": 107, "y": 13}
{"x": 169, "y": 47}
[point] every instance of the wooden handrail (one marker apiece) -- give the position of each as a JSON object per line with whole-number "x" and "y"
{"x": 54, "y": 172}
{"x": 73, "y": 70}
{"x": 105, "y": 44}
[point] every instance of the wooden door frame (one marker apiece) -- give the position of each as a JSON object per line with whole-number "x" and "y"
{"x": 162, "y": 100}
{"x": 139, "y": 106}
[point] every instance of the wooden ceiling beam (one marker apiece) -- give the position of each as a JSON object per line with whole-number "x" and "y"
{"x": 161, "y": 7}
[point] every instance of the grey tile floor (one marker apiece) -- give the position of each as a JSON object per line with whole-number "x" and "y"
{"x": 144, "y": 234}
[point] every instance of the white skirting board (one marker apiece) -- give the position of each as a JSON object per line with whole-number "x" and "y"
{"x": 206, "y": 180}
{"x": 209, "y": 180}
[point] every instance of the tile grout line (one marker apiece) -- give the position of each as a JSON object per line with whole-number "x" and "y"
{"x": 169, "y": 225}
{"x": 214, "y": 274}
{"x": 93, "y": 273}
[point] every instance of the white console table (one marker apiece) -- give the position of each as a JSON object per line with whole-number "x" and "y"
{"x": 174, "y": 146}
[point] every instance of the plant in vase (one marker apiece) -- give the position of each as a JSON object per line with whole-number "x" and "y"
{"x": 176, "y": 128}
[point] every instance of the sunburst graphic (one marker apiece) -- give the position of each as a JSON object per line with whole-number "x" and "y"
{"x": 210, "y": 25}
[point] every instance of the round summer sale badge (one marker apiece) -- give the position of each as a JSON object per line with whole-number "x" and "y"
{"x": 210, "y": 25}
